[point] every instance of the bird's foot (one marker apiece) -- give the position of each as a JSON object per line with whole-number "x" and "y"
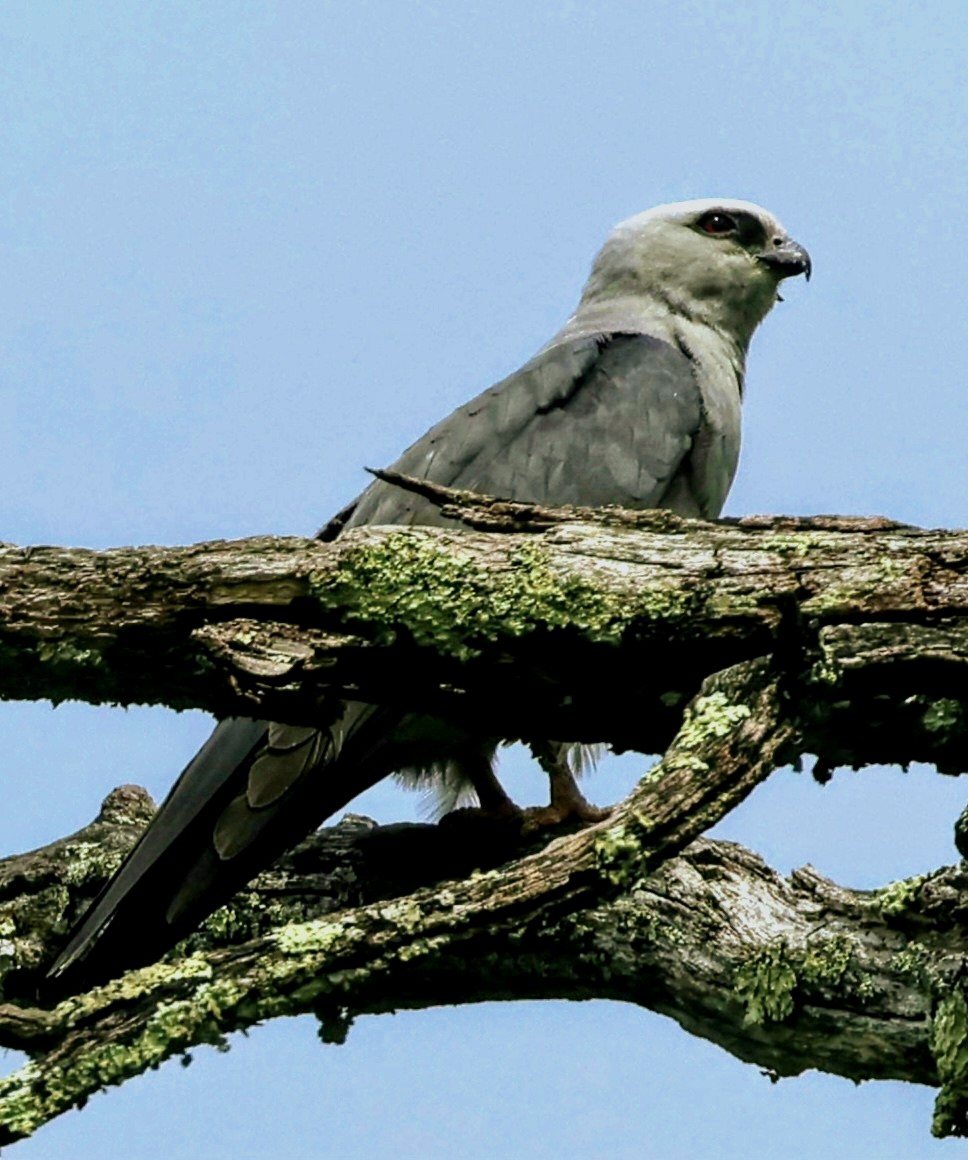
{"x": 558, "y": 813}
{"x": 568, "y": 803}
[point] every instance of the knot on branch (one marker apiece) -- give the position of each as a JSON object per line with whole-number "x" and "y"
{"x": 126, "y": 805}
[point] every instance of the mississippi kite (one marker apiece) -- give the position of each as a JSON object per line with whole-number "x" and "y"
{"x": 635, "y": 402}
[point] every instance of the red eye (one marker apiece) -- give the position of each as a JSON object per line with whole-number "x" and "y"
{"x": 717, "y": 223}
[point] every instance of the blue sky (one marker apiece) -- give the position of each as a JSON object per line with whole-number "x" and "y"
{"x": 247, "y": 248}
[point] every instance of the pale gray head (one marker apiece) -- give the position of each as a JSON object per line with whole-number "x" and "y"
{"x": 717, "y": 262}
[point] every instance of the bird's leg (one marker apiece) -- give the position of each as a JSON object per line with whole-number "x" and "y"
{"x": 491, "y": 795}
{"x": 568, "y": 803}
{"x": 492, "y": 824}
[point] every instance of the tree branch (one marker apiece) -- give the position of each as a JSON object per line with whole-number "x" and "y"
{"x": 465, "y": 624}
{"x": 474, "y": 939}
{"x": 845, "y": 638}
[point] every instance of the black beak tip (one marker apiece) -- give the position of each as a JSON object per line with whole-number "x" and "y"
{"x": 788, "y": 260}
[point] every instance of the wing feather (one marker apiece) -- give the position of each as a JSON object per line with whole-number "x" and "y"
{"x": 594, "y": 421}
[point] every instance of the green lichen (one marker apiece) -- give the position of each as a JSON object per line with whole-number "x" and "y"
{"x": 826, "y": 672}
{"x": 647, "y": 921}
{"x": 830, "y": 601}
{"x": 30, "y": 1096}
{"x": 829, "y": 964}
{"x": 73, "y": 667}
{"x": 61, "y": 653}
{"x": 319, "y": 985}
{"x": 949, "y": 1045}
{"x": 612, "y": 941}
{"x": 751, "y": 604}
{"x": 835, "y": 599}
{"x": 766, "y": 984}
{"x": 275, "y": 985}
{"x": 913, "y": 962}
{"x": 943, "y": 716}
{"x": 799, "y": 545}
{"x": 710, "y": 719}
{"x": 774, "y": 977}
{"x": 897, "y": 898}
{"x": 83, "y": 861}
{"x": 446, "y": 599}
{"x": 318, "y": 936}
{"x": 684, "y": 761}
{"x": 405, "y": 914}
{"x": 664, "y": 604}
{"x": 618, "y": 855}
{"x": 421, "y": 948}
{"x": 86, "y": 1006}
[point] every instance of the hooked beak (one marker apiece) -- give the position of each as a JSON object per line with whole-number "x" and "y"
{"x": 786, "y": 258}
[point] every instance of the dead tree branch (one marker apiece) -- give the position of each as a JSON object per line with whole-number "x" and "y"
{"x": 732, "y": 648}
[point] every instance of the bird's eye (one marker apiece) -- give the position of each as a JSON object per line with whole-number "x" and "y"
{"x": 717, "y": 222}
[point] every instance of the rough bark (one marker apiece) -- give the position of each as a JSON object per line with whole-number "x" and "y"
{"x": 751, "y": 642}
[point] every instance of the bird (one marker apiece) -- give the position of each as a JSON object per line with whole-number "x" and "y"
{"x": 635, "y": 402}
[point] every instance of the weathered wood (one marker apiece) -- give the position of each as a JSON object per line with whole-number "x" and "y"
{"x": 436, "y": 944}
{"x": 845, "y": 638}
{"x": 788, "y": 973}
{"x": 539, "y": 634}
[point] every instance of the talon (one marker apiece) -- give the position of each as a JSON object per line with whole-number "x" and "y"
{"x": 557, "y": 814}
{"x": 568, "y": 803}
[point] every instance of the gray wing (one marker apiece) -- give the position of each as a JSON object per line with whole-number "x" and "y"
{"x": 594, "y": 421}
{"x": 244, "y": 799}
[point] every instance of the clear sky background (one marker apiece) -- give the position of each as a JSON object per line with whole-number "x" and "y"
{"x": 248, "y": 247}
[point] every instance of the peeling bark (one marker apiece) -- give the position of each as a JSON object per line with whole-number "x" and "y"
{"x": 752, "y": 642}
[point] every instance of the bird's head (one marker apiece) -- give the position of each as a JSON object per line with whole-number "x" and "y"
{"x": 715, "y": 261}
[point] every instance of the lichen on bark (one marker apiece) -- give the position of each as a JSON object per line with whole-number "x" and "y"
{"x": 730, "y": 649}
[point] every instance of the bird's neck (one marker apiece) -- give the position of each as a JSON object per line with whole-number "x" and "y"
{"x": 705, "y": 343}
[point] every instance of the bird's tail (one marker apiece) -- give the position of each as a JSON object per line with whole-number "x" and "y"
{"x": 252, "y": 791}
